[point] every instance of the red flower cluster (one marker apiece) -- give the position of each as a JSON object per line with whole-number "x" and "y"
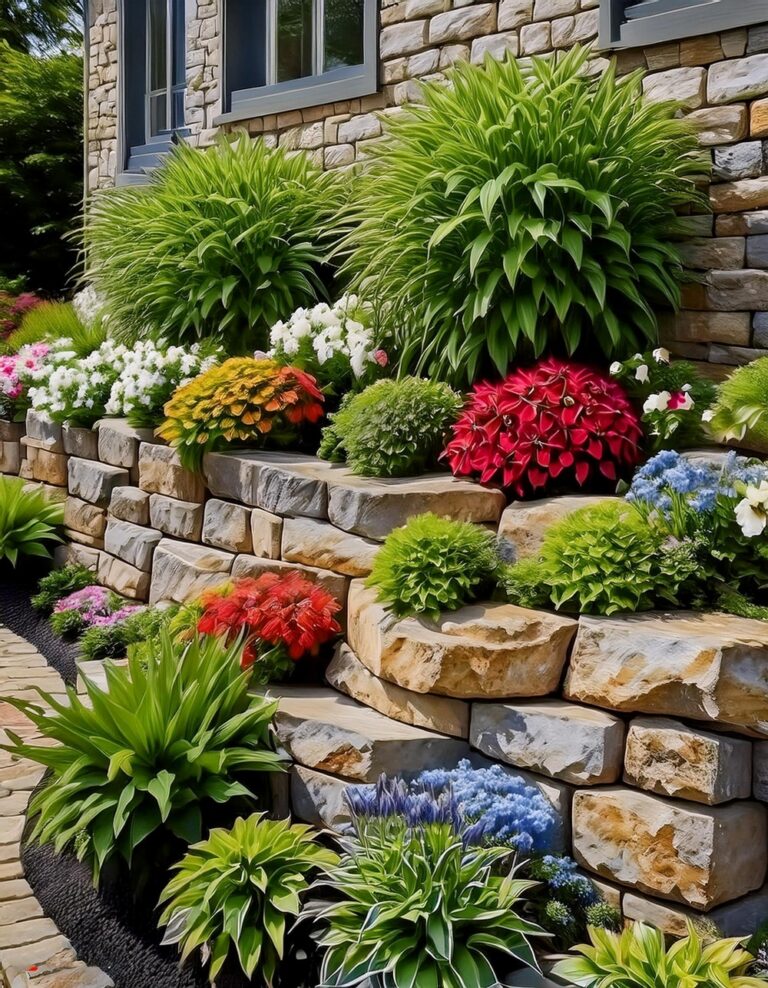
{"x": 553, "y": 421}
{"x": 297, "y": 395}
{"x": 13, "y": 309}
{"x": 277, "y": 610}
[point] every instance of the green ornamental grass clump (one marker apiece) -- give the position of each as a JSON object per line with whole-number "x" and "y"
{"x": 741, "y": 407}
{"x": 222, "y": 242}
{"x": 392, "y": 428}
{"x": 53, "y": 321}
{"x": 525, "y": 207}
{"x": 60, "y": 583}
{"x": 27, "y": 520}
{"x": 239, "y": 889}
{"x": 434, "y": 564}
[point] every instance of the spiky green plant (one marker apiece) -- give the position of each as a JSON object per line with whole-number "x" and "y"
{"x": 526, "y": 207}
{"x": 28, "y": 519}
{"x": 225, "y": 240}
{"x": 392, "y": 428}
{"x": 238, "y": 889}
{"x": 741, "y": 407}
{"x": 638, "y": 958}
{"x": 52, "y": 321}
{"x": 138, "y": 757}
{"x": 434, "y": 564}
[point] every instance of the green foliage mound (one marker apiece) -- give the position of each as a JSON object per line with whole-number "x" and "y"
{"x": 434, "y": 564}
{"x": 52, "y": 321}
{"x": 223, "y": 241}
{"x": 393, "y": 428}
{"x": 741, "y": 406}
{"x": 27, "y": 520}
{"x": 112, "y": 641}
{"x": 525, "y": 207}
{"x": 60, "y": 583}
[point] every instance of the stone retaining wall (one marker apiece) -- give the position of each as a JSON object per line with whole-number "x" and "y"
{"x": 648, "y": 733}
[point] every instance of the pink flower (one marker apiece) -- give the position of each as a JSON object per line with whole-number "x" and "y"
{"x": 381, "y": 358}
{"x": 680, "y": 400}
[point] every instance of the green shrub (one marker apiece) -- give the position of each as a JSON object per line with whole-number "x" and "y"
{"x": 112, "y": 641}
{"x": 525, "y": 207}
{"x": 434, "y": 564}
{"x": 27, "y": 520}
{"x": 226, "y": 240}
{"x": 238, "y": 888}
{"x": 60, "y": 583}
{"x": 138, "y": 758}
{"x": 741, "y": 407}
{"x": 638, "y": 958}
{"x": 393, "y": 428}
{"x": 51, "y": 321}
{"x": 602, "y": 559}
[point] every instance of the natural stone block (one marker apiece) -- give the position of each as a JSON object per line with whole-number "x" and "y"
{"x": 11, "y": 432}
{"x": 160, "y": 472}
{"x": 320, "y": 544}
{"x": 742, "y": 224}
{"x": 84, "y": 517}
{"x": 254, "y": 566}
{"x": 47, "y": 467}
{"x": 760, "y": 771}
{"x": 498, "y": 46}
{"x": 701, "y": 666}
{"x": 702, "y": 856}
{"x": 43, "y": 429}
{"x": 372, "y": 508}
{"x": 318, "y": 799}
{"x": 130, "y": 504}
{"x": 737, "y": 79}
{"x": 757, "y": 251}
{"x": 325, "y": 731}
{"x": 403, "y": 38}
{"x": 743, "y": 160}
{"x": 131, "y": 543}
{"x": 179, "y": 519}
{"x": 27, "y": 931}
{"x": 462, "y": 23}
{"x": 734, "y": 919}
{"x": 514, "y": 13}
{"x": 32, "y": 954}
{"x": 281, "y": 483}
{"x": 525, "y": 523}
{"x": 10, "y": 457}
{"x": 266, "y": 533}
{"x": 545, "y": 10}
{"x": 482, "y": 651}
{"x": 94, "y": 482}
{"x": 77, "y": 555}
{"x": 80, "y": 442}
{"x": 738, "y": 290}
{"x": 732, "y": 328}
{"x": 568, "y": 31}
{"x": 685, "y": 85}
{"x": 227, "y": 526}
{"x": 758, "y": 118}
{"x": 714, "y": 252}
{"x": 733, "y": 197}
{"x": 535, "y": 38}
{"x": 720, "y": 124}
{"x": 434, "y": 713}
{"x": 181, "y": 571}
{"x": 122, "y": 577}
{"x": 668, "y": 758}
{"x": 554, "y": 738}
{"x": 119, "y": 442}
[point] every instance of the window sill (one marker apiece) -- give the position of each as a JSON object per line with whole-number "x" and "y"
{"x": 707, "y": 18}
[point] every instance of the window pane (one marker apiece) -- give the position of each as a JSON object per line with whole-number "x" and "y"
{"x": 294, "y": 39}
{"x": 158, "y": 46}
{"x": 343, "y": 33}
{"x": 158, "y": 114}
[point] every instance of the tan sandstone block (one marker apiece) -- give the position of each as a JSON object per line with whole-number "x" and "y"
{"x": 160, "y": 472}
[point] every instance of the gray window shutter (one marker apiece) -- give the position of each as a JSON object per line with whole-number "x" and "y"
{"x": 631, "y": 23}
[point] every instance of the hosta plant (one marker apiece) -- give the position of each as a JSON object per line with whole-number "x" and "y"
{"x": 740, "y": 411}
{"x": 238, "y": 891}
{"x": 393, "y": 428}
{"x": 434, "y": 564}
{"x": 222, "y": 242}
{"x": 527, "y": 206}
{"x": 28, "y": 520}
{"x": 136, "y": 759}
{"x": 244, "y": 400}
{"x": 638, "y": 958}
{"x": 556, "y": 425}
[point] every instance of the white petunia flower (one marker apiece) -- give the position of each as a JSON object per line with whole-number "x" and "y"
{"x": 661, "y": 355}
{"x": 657, "y": 402}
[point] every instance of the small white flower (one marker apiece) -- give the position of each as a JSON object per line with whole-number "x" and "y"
{"x": 751, "y": 511}
{"x": 661, "y": 355}
{"x": 707, "y": 415}
{"x": 641, "y": 374}
{"x": 657, "y": 402}
{"x": 615, "y": 367}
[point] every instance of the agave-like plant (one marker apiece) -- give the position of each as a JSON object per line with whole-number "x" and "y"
{"x": 238, "y": 888}
{"x": 170, "y": 730}
{"x": 28, "y": 519}
{"x": 638, "y": 958}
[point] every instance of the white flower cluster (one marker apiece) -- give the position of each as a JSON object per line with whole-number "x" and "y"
{"x": 71, "y": 385}
{"x": 150, "y": 373}
{"x": 752, "y": 511}
{"x": 325, "y": 332}
{"x": 88, "y": 305}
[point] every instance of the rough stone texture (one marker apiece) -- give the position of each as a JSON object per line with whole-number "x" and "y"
{"x": 47, "y": 467}
{"x": 696, "y": 855}
{"x": 94, "y": 482}
{"x": 179, "y": 519}
{"x": 434, "y": 713}
{"x": 760, "y": 770}
{"x": 734, "y": 919}
{"x": 334, "y": 583}
{"x": 84, "y": 517}
{"x": 10, "y": 457}
{"x": 703, "y": 666}
{"x": 318, "y": 543}
{"x": 740, "y": 78}
{"x": 227, "y": 526}
{"x": 122, "y": 577}
{"x": 732, "y": 197}
{"x": 266, "y": 533}
{"x": 462, "y": 23}
{"x": 525, "y": 523}
{"x": 160, "y": 472}
{"x": 131, "y": 543}
{"x": 182, "y": 571}
{"x": 80, "y": 442}
{"x": 130, "y": 504}
{"x": 318, "y": 798}
{"x": 119, "y": 442}
{"x": 561, "y": 740}
{"x": 282, "y": 483}
{"x": 328, "y": 732}
{"x": 668, "y": 758}
{"x": 483, "y": 651}
{"x": 686, "y": 85}
{"x": 45, "y": 431}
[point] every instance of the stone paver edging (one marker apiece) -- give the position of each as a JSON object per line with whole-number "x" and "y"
{"x": 32, "y": 951}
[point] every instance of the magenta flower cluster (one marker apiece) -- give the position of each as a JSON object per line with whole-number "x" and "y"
{"x": 12, "y": 367}
{"x": 96, "y": 606}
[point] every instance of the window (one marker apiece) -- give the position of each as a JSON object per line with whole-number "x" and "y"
{"x": 287, "y": 54}
{"x": 625, "y": 23}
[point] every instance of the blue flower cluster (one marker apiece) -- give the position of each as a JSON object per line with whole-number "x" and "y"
{"x": 417, "y": 805}
{"x": 564, "y": 882}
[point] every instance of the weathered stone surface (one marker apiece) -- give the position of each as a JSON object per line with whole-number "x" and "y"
{"x": 318, "y": 543}
{"x": 328, "y": 732}
{"x": 462, "y": 23}
{"x": 47, "y": 467}
{"x": 84, "y": 517}
{"x": 668, "y": 758}
{"x": 733, "y": 197}
{"x": 736, "y": 79}
{"x": 131, "y": 543}
{"x": 47, "y": 432}
{"x": 743, "y": 160}
{"x": 76, "y": 976}
{"x": 758, "y": 118}
{"x": 702, "y": 666}
{"x": 181, "y": 571}
{"x": 482, "y": 651}
{"x": 94, "y": 482}
{"x": 702, "y": 856}
{"x": 732, "y": 290}
{"x": 119, "y": 442}
{"x": 266, "y": 533}
{"x": 401, "y": 39}
{"x": 80, "y": 442}
{"x": 686, "y": 85}
{"x": 283, "y": 483}
{"x": 734, "y": 919}
{"x": 334, "y": 583}
{"x": 318, "y": 798}
{"x": 434, "y": 713}
{"x": 180, "y": 519}
{"x": 80, "y": 554}
{"x": 122, "y": 577}
{"x": 11, "y": 432}
{"x": 525, "y": 523}
{"x": 373, "y": 507}
{"x": 554, "y": 738}
{"x": 732, "y": 328}
{"x": 160, "y": 472}
{"x": 720, "y": 124}
{"x": 130, "y": 504}
{"x": 495, "y": 45}
{"x": 227, "y": 526}
{"x": 742, "y": 224}
{"x": 514, "y": 13}
{"x": 725, "y": 253}
{"x": 760, "y": 770}
{"x": 33, "y": 954}
{"x": 10, "y": 457}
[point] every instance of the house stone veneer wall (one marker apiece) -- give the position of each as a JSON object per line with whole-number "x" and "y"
{"x": 102, "y": 120}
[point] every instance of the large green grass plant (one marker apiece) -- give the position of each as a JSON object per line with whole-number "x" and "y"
{"x": 53, "y": 321}
{"x": 525, "y": 207}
